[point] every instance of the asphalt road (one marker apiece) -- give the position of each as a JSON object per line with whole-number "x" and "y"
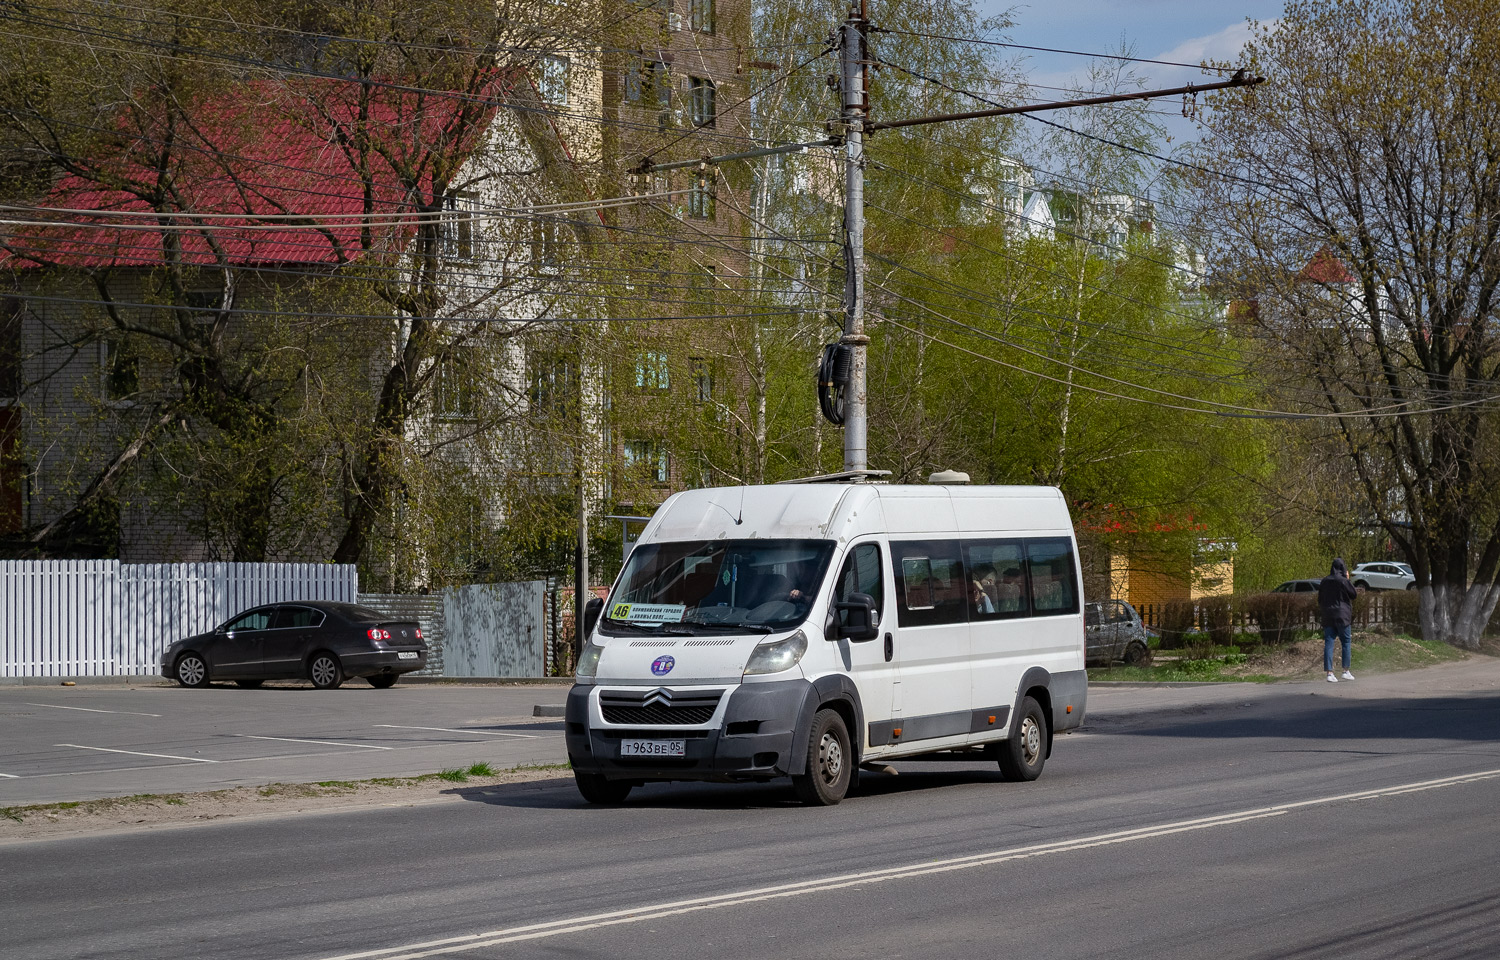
{"x": 110, "y": 740}
{"x": 1300, "y": 821}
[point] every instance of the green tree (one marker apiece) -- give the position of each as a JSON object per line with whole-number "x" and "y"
{"x": 1356, "y": 198}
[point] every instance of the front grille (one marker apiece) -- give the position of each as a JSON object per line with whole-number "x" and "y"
{"x": 659, "y": 707}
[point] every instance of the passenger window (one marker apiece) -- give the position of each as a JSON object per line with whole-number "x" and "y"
{"x": 1117, "y": 613}
{"x": 298, "y": 617}
{"x": 254, "y": 620}
{"x": 932, "y": 586}
{"x": 997, "y": 582}
{"x": 1053, "y": 586}
{"x": 916, "y": 578}
{"x": 861, "y": 574}
{"x": 1091, "y": 616}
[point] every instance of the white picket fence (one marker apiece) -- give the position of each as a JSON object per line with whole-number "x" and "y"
{"x": 101, "y": 618}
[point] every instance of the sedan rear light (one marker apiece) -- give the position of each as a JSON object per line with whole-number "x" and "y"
{"x": 375, "y": 633}
{"x": 419, "y": 633}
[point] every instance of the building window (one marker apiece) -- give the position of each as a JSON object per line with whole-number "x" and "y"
{"x": 648, "y": 458}
{"x": 11, "y": 311}
{"x": 546, "y": 234}
{"x": 455, "y": 387}
{"x": 703, "y": 15}
{"x": 648, "y": 83}
{"x": 204, "y": 306}
{"x": 121, "y": 368}
{"x": 554, "y": 383}
{"x": 703, "y": 380}
{"x": 552, "y": 80}
{"x": 651, "y": 373}
{"x": 701, "y": 200}
{"x": 701, "y": 89}
{"x": 460, "y": 214}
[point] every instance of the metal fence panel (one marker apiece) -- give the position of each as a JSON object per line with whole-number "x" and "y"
{"x": 93, "y": 618}
{"x": 494, "y": 630}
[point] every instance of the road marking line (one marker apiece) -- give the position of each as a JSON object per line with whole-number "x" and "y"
{"x": 9, "y": 776}
{"x": 330, "y": 743}
{"x": 537, "y": 931}
{"x": 128, "y": 713}
{"x": 136, "y": 753}
{"x": 482, "y": 733}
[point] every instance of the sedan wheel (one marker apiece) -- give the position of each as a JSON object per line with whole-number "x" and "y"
{"x": 324, "y": 671}
{"x": 192, "y": 671}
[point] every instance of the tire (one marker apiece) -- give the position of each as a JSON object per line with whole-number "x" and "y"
{"x": 191, "y": 670}
{"x": 1411, "y": 586}
{"x": 597, "y": 788}
{"x": 1023, "y": 755}
{"x": 1361, "y": 585}
{"x": 383, "y": 681}
{"x": 1137, "y": 655}
{"x": 830, "y": 762}
{"x": 324, "y": 671}
{"x": 249, "y": 684}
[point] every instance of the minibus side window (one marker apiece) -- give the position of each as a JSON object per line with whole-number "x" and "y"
{"x": 997, "y": 579}
{"x": 916, "y": 582}
{"x": 1054, "y": 589}
{"x": 930, "y": 584}
{"x": 861, "y": 574}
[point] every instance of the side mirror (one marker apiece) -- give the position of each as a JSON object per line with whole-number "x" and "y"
{"x": 591, "y": 611}
{"x": 227, "y": 633}
{"x": 860, "y": 622}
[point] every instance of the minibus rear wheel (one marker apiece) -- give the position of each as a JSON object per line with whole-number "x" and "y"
{"x": 1022, "y": 756}
{"x": 830, "y": 761}
{"x": 597, "y": 788}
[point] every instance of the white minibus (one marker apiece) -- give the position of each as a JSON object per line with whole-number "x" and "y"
{"x": 805, "y": 629}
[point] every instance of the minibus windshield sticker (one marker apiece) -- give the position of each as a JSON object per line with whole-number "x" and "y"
{"x": 648, "y": 612}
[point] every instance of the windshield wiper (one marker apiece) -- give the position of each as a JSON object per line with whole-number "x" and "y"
{"x": 627, "y": 625}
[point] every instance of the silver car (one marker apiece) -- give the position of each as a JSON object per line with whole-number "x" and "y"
{"x": 1114, "y": 631}
{"x": 1384, "y": 576}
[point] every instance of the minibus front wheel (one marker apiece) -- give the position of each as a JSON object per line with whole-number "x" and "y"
{"x": 830, "y": 761}
{"x": 597, "y": 788}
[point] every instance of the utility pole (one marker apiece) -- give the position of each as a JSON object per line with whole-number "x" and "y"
{"x": 854, "y": 84}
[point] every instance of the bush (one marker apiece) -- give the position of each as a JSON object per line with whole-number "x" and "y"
{"x": 1280, "y": 615}
{"x": 1216, "y": 616}
{"x": 1176, "y": 620}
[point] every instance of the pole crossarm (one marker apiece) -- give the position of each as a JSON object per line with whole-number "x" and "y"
{"x": 646, "y": 166}
{"x": 1238, "y": 80}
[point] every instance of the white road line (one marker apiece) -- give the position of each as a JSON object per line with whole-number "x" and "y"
{"x": 537, "y": 931}
{"x": 136, "y": 753}
{"x": 482, "y": 733}
{"x": 128, "y": 713}
{"x": 9, "y": 776}
{"x": 329, "y": 743}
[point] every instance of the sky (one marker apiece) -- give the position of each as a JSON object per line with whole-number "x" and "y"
{"x": 1186, "y": 31}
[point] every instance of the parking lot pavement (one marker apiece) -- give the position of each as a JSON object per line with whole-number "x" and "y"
{"x": 93, "y": 741}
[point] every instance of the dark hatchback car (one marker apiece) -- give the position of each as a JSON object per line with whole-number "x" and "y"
{"x": 307, "y": 640}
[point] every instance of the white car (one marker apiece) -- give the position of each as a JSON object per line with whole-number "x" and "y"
{"x": 1383, "y": 576}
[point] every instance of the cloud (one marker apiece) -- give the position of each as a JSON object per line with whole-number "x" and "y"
{"x": 1224, "y": 45}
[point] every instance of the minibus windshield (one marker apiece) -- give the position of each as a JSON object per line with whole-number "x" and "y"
{"x": 717, "y": 586}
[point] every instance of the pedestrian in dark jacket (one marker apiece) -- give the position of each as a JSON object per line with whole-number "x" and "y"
{"x": 1336, "y": 604}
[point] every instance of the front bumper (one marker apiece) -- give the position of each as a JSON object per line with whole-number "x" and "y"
{"x": 751, "y": 738}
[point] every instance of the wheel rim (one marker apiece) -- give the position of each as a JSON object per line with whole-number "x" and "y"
{"x": 190, "y": 671}
{"x": 1031, "y": 741}
{"x": 830, "y": 758}
{"x": 323, "y": 671}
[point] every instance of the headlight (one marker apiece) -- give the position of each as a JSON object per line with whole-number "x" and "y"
{"x": 778, "y": 655}
{"x": 588, "y": 662}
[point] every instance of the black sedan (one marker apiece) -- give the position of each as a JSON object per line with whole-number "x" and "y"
{"x": 311, "y": 640}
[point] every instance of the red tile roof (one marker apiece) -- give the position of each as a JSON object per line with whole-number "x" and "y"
{"x": 260, "y": 156}
{"x": 1326, "y": 267}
